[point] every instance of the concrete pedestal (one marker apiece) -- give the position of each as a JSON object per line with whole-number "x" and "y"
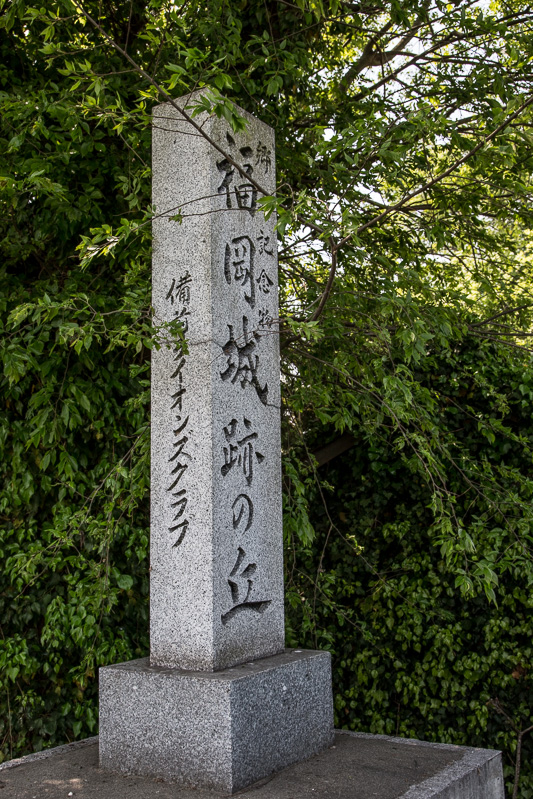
{"x": 220, "y": 730}
{"x": 357, "y": 766}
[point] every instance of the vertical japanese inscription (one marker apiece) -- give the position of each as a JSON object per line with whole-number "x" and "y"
{"x": 247, "y": 260}
{"x": 243, "y": 348}
{"x": 179, "y": 297}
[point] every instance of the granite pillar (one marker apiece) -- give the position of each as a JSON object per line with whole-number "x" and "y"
{"x": 216, "y": 579}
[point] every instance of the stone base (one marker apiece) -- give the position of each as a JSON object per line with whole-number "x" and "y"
{"x": 357, "y": 766}
{"x": 219, "y": 730}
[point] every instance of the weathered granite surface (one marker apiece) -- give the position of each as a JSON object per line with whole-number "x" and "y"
{"x": 221, "y": 730}
{"x": 219, "y": 704}
{"x": 356, "y": 767}
{"x": 216, "y": 585}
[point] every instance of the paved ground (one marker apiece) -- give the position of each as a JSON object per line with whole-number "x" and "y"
{"x": 356, "y": 767}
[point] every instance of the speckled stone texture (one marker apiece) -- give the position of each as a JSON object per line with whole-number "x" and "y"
{"x": 357, "y": 766}
{"x": 216, "y": 585}
{"x": 219, "y": 704}
{"x": 219, "y": 730}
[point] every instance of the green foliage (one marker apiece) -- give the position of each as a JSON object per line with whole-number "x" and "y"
{"x": 413, "y": 657}
{"x": 404, "y": 224}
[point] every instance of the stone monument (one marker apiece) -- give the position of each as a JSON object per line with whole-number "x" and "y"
{"x": 220, "y": 703}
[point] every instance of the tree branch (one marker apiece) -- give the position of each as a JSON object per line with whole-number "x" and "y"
{"x": 372, "y": 58}
{"x": 329, "y": 284}
{"x": 502, "y": 313}
{"x": 518, "y": 760}
{"x": 452, "y": 38}
{"x": 188, "y": 118}
{"x": 438, "y": 178}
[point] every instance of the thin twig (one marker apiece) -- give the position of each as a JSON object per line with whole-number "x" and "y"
{"x": 518, "y": 760}
{"x": 438, "y": 178}
{"x": 187, "y": 117}
{"x": 328, "y": 286}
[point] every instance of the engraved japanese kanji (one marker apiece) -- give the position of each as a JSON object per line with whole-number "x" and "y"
{"x": 243, "y": 359}
{"x": 241, "y": 584}
{"x": 239, "y": 266}
{"x": 240, "y": 450}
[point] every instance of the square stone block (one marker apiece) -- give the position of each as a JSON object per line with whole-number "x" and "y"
{"x": 220, "y": 730}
